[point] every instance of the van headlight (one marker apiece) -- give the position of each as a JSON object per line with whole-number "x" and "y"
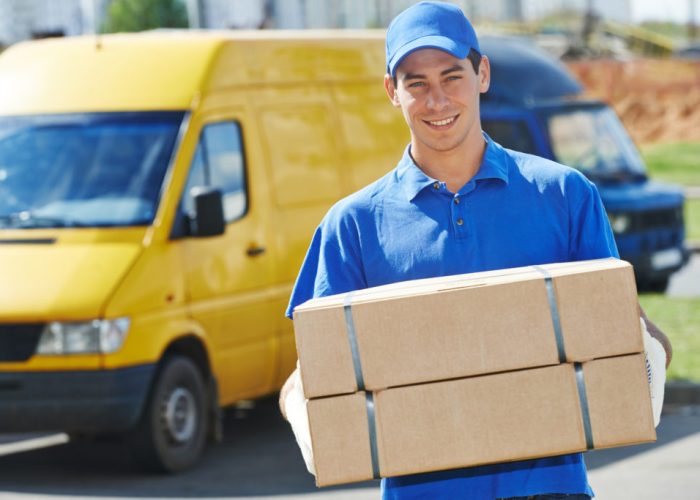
{"x": 620, "y": 223}
{"x": 84, "y": 337}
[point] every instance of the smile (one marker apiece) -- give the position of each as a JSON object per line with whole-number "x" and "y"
{"x": 442, "y": 123}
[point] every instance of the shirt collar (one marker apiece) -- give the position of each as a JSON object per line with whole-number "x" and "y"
{"x": 494, "y": 165}
{"x": 412, "y": 179}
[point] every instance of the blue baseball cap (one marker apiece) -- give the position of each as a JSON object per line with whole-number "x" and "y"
{"x": 434, "y": 25}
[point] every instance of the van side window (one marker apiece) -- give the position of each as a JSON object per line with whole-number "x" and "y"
{"x": 511, "y": 134}
{"x": 218, "y": 163}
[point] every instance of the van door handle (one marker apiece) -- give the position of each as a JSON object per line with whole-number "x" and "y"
{"x": 254, "y": 251}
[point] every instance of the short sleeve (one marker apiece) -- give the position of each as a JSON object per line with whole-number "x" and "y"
{"x": 333, "y": 262}
{"x": 590, "y": 234}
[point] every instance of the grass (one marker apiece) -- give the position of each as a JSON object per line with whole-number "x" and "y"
{"x": 679, "y": 318}
{"x": 677, "y": 162}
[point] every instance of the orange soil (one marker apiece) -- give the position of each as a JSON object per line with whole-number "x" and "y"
{"x": 657, "y": 100}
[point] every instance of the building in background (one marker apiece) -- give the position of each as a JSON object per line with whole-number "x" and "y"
{"x": 617, "y": 10}
{"x": 25, "y": 19}
{"x": 378, "y": 13}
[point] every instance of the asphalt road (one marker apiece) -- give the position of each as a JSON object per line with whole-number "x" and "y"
{"x": 258, "y": 458}
{"x": 686, "y": 282}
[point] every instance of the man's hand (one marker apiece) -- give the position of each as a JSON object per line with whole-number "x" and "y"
{"x": 286, "y": 388}
{"x": 292, "y": 401}
{"x": 658, "y": 335}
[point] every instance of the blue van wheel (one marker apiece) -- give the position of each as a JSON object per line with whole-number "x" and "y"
{"x": 656, "y": 285}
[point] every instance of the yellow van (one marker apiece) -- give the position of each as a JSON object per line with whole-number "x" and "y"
{"x": 157, "y": 195}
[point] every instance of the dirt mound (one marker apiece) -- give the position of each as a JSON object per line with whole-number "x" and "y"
{"x": 657, "y": 100}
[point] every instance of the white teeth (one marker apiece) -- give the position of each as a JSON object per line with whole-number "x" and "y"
{"x": 442, "y": 122}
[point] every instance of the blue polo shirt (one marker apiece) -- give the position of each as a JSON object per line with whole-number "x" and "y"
{"x": 518, "y": 210}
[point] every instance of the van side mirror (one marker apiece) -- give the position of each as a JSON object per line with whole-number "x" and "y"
{"x": 208, "y": 218}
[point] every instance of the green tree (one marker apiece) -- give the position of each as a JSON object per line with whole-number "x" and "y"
{"x": 139, "y": 15}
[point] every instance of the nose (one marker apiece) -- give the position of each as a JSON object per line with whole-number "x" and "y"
{"x": 437, "y": 99}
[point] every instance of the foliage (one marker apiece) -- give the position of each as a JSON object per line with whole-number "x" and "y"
{"x": 676, "y": 31}
{"x": 679, "y": 318}
{"x": 139, "y": 15}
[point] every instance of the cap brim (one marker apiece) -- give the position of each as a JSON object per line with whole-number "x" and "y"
{"x": 428, "y": 42}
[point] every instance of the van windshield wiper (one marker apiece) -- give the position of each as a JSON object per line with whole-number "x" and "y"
{"x": 27, "y": 219}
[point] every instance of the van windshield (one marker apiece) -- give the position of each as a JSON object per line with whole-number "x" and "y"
{"x": 84, "y": 169}
{"x": 593, "y": 140}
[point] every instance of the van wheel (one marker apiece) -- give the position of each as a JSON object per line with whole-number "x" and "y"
{"x": 172, "y": 432}
{"x": 658, "y": 285}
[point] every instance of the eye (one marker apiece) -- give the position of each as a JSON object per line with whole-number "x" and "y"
{"x": 453, "y": 78}
{"x": 415, "y": 85}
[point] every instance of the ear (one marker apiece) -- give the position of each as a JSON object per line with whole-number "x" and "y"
{"x": 484, "y": 74}
{"x": 391, "y": 90}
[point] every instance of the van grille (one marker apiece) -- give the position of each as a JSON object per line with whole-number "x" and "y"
{"x": 18, "y": 341}
{"x": 667, "y": 219}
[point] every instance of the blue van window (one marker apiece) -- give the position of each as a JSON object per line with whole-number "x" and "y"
{"x": 512, "y": 134}
{"x": 218, "y": 162}
{"x": 84, "y": 169}
{"x": 594, "y": 141}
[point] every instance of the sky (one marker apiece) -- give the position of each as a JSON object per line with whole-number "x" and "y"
{"x": 663, "y": 10}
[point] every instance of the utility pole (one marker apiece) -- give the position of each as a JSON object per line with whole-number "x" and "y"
{"x": 692, "y": 27}
{"x": 589, "y": 24}
{"x": 515, "y": 10}
{"x": 194, "y": 14}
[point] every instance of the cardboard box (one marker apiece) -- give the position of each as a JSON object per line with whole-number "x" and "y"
{"x": 459, "y": 326}
{"x": 479, "y": 420}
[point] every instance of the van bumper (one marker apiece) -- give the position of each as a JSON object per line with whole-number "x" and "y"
{"x": 96, "y": 401}
{"x": 646, "y": 268}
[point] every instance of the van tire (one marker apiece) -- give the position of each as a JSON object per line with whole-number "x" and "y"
{"x": 172, "y": 432}
{"x": 657, "y": 285}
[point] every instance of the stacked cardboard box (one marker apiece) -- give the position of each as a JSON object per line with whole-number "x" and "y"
{"x": 473, "y": 369}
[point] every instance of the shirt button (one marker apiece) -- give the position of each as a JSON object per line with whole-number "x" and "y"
{"x": 457, "y": 200}
{"x": 460, "y": 221}
{"x": 436, "y": 185}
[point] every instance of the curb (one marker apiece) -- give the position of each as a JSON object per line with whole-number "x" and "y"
{"x": 692, "y": 192}
{"x": 693, "y": 247}
{"x": 682, "y": 394}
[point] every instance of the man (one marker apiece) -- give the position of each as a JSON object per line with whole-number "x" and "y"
{"x": 456, "y": 203}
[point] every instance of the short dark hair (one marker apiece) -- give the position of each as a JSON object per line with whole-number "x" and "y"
{"x": 474, "y": 57}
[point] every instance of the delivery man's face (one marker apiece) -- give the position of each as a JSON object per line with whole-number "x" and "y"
{"x": 439, "y": 97}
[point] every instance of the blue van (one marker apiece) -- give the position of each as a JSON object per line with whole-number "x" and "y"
{"x": 534, "y": 105}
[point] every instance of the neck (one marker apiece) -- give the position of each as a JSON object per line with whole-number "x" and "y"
{"x": 454, "y": 167}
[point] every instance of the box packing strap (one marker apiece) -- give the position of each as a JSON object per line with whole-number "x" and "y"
{"x": 561, "y": 350}
{"x": 585, "y": 413}
{"x": 554, "y": 312}
{"x": 369, "y": 397}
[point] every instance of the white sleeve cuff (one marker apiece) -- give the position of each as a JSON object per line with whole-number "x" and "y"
{"x": 656, "y": 371}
